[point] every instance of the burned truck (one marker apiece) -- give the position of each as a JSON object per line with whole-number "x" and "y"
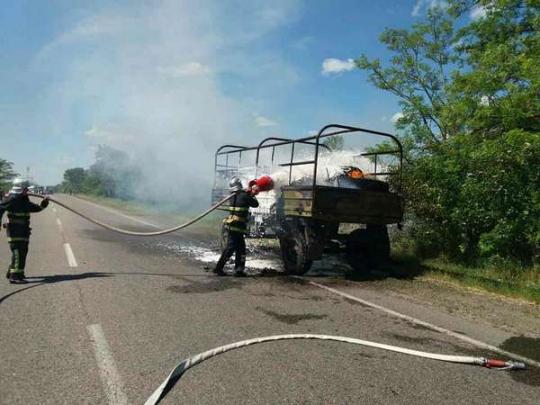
{"x": 326, "y": 198}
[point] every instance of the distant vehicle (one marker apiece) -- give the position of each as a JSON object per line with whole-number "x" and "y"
{"x": 306, "y": 210}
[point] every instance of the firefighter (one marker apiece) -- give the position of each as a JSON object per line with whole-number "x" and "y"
{"x": 18, "y": 207}
{"x": 236, "y": 227}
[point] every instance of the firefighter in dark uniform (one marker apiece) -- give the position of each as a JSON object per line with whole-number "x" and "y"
{"x": 18, "y": 207}
{"x": 236, "y": 226}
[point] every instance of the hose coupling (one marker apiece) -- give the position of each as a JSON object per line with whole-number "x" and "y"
{"x": 504, "y": 365}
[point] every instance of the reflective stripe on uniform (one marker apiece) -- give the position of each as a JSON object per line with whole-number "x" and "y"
{"x": 237, "y": 209}
{"x": 18, "y": 239}
{"x": 19, "y": 214}
{"x": 236, "y": 229}
{"x": 15, "y": 271}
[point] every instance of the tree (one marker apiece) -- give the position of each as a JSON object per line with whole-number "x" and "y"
{"x": 334, "y": 143}
{"x": 74, "y": 180}
{"x": 500, "y": 89}
{"x": 418, "y": 74}
{"x": 473, "y": 122}
{"x": 117, "y": 173}
{"x": 6, "y": 174}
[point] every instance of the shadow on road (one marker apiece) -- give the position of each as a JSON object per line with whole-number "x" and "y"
{"x": 43, "y": 280}
{"x": 37, "y": 281}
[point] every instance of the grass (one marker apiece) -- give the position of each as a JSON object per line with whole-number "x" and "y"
{"x": 511, "y": 281}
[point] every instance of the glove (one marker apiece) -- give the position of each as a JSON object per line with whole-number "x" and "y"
{"x": 253, "y": 191}
{"x": 45, "y": 202}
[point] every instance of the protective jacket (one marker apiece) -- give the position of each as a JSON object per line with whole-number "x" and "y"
{"x": 239, "y": 211}
{"x": 18, "y": 208}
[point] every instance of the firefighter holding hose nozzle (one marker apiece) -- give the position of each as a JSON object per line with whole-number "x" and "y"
{"x": 236, "y": 227}
{"x": 18, "y": 207}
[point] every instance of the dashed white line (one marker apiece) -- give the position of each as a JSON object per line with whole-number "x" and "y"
{"x": 112, "y": 383}
{"x": 58, "y": 222}
{"x": 54, "y": 210}
{"x": 431, "y": 326}
{"x": 69, "y": 255}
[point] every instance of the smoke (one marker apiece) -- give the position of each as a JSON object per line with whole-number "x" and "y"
{"x": 147, "y": 79}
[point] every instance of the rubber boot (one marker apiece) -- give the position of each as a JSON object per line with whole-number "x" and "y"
{"x": 240, "y": 272}
{"x": 17, "y": 278}
{"x": 219, "y": 272}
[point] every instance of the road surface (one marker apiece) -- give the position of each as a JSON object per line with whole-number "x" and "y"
{"x": 106, "y": 317}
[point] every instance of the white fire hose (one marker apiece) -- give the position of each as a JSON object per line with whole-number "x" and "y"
{"x": 185, "y": 365}
{"x": 181, "y": 368}
{"x": 134, "y": 233}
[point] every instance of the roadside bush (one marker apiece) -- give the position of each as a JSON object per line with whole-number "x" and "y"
{"x": 474, "y": 200}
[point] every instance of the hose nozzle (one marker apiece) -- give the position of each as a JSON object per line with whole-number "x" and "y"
{"x": 504, "y": 365}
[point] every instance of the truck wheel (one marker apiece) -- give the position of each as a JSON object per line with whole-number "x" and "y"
{"x": 367, "y": 248}
{"x": 223, "y": 237}
{"x": 294, "y": 254}
{"x": 358, "y": 252}
{"x": 380, "y": 243}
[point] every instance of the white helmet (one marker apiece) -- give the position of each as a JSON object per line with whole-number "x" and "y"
{"x": 20, "y": 183}
{"x": 235, "y": 184}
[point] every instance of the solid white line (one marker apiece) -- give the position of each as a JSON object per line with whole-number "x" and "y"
{"x": 416, "y": 321}
{"x": 112, "y": 383}
{"x": 69, "y": 255}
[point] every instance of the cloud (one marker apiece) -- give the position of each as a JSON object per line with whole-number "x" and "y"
{"x": 423, "y": 5}
{"x": 477, "y": 12}
{"x": 335, "y": 66}
{"x": 185, "y": 69}
{"x": 261, "y": 121}
{"x": 396, "y": 117}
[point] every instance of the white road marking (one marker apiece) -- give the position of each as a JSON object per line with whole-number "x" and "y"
{"x": 431, "y": 326}
{"x": 54, "y": 210}
{"x": 59, "y": 222}
{"x": 69, "y": 255}
{"x": 112, "y": 383}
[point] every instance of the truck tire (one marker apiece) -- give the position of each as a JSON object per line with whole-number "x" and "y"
{"x": 294, "y": 254}
{"x": 368, "y": 248}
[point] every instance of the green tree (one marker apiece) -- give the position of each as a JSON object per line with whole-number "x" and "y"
{"x": 471, "y": 127}
{"x": 334, "y": 143}
{"x": 500, "y": 88}
{"x": 6, "y": 174}
{"x": 418, "y": 74}
{"x": 74, "y": 180}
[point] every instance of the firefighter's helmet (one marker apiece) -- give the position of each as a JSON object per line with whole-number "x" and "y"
{"x": 19, "y": 186}
{"x": 235, "y": 184}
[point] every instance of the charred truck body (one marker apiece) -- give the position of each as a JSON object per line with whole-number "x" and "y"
{"x": 315, "y": 208}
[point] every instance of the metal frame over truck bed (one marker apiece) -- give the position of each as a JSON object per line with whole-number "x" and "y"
{"x": 306, "y": 217}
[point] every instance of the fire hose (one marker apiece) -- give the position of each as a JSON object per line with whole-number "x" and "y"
{"x": 134, "y": 233}
{"x": 188, "y": 363}
{"x": 175, "y": 375}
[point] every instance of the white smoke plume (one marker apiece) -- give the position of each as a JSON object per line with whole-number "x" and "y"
{"x": 150, "y": 71}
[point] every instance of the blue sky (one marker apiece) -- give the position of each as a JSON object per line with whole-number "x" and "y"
{"x": 169, "y": 81}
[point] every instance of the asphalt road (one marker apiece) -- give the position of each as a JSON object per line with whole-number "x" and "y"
{"x": 108, "y": 323}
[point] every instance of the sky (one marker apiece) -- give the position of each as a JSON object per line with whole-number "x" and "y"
{"x": 168, "y": 81}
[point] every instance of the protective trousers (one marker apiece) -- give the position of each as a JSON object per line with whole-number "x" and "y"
{"x": 236, "y": 244}
{"x": 19, "y": 250}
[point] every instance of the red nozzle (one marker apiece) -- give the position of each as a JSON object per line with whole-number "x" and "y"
{"x": 501, "y": 364}
{"x": 263, "y": 183}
